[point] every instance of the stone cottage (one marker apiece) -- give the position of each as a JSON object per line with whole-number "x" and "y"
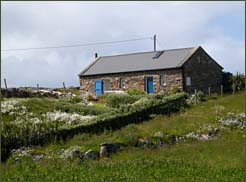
{"x": 156, "y": 71}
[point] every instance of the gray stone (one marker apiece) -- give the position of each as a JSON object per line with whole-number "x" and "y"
{"x": 144, "y": 142}
{"x": 38, "y": 157}
{"x": 213, "y": 132}
{"x": 171, "y": 138}
{"x": 90, "y": 154}
{"x": 161, "y": 143}
{"x": 107, "y": 148}
{"x": 75, "y": 153}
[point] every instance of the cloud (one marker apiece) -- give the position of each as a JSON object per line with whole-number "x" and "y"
{"x": 177, "y": 24}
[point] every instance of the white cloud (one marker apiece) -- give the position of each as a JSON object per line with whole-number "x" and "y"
{"x": 177, "y": 24}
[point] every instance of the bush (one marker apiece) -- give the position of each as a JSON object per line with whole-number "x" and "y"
{"x": 75, "y": 99}
{"x": 115, "y": 100}
{"x": 135, "y": 92}
{"x": 227, "y": 81}
{"x": 92, "y": 98}
{"x": 175, "y": 90}
{"x": 239, "y": 81}
{"x": 200, "y": 96}
{"x": 83, "y": 110}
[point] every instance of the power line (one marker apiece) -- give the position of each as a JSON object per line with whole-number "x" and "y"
{"x": 75, "y": 45}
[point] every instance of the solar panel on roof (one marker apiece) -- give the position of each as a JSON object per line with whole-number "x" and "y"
{"x": 157, "y": 55}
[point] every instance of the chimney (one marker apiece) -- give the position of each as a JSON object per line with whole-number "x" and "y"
{"x": 154, "y": 43}
{"x": 95, "y": 55}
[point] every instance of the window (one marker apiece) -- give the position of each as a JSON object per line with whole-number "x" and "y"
{"x": 106, "y": 85}
{"x": 188, "y": 81}
{"x": 122, "y": 83}
{"x": 163, "y": 80}
{"x": 157, "y": 55}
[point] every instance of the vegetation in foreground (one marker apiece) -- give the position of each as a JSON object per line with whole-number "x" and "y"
{"x": 213, "y": 160}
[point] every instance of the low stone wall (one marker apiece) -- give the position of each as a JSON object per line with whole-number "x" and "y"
{"x": 32, "y": 92}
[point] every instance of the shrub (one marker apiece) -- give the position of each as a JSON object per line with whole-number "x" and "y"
{"x": 135, "y": 92}
{"x": 238, "y": 81}
{"x": 227, "y": 81}
{"x": 196, "y": 98}
{"x": 175, "y": 90}
{"x": 75, "y": 99}
{"x": 84, "y": 110}
{"x": 200, "y": 96}
{"x": 115, "y": 100}
{"x": 92, "y": 98}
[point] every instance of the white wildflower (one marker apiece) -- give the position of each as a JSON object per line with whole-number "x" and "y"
{"x": 8, "y": 106}
{"x": 218, "y": 108}
{"x": 233, "y": 119}
{"x": 67, "y": 117}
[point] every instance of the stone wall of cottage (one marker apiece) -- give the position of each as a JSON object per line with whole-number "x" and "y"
{"x": 173, "y": 78}
{"x": 204, "y": 73}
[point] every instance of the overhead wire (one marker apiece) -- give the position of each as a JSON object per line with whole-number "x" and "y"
{"x": 74, "y": 45}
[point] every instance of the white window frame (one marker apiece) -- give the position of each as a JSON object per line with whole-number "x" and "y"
{"x": 122, "y": 83}
{"x": 106, "y": 85}
{"x": 163, "y": 80}
{"x": 188, "y": 81}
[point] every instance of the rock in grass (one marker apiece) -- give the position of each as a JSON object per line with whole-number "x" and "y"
{"x": 75, "y": 153}
{"x": 213, "y": 132}
{"x": 90, "y": 154}
{"x": 38, "y": 157}
{"x": 171, "y": 139}
{"x": 107, "y": 148}
{"x": 72, "y": 153}
{"x": 158, "y": 134}
{"x": 144, "y": 142}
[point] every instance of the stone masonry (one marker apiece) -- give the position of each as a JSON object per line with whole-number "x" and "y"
{"x": 173, "y": 78}
{"x": 204, "y": 73}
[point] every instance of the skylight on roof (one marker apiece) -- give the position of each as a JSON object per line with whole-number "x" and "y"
{"x": 157, "y": 55}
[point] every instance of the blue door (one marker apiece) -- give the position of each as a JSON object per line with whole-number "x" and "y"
{"x": 98, "y": 87}
{"x": 149, "y": 85}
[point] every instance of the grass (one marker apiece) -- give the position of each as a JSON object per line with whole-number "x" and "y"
{"x": 216, "y": 160}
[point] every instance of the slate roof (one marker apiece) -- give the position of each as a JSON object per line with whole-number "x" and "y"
{"x": 173, "y": 58}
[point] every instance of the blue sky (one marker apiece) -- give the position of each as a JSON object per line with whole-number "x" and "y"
{"x": 233, "y": 24}
{"x": 216, "y": 26}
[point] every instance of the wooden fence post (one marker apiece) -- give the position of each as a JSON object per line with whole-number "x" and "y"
{"x": 221, "y": 90}
{"x": 233, "y": 89}
{"x": 64, "y": 85}
{"x": 195, "y": 97}
{"x": 209, "y": 91}
{"x": 5, "y": 83}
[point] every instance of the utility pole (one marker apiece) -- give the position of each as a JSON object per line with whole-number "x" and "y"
{"x": 154, "y": 42}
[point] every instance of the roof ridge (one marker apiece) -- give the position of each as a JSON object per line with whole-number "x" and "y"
{"x": 146, "y": 52}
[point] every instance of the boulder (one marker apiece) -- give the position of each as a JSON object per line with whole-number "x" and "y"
{"x": 171, "y": 139}
{"x": 75, "y": 154}
{"x": 144, "y": 142}
{"x": 107, "y": 148}
{"x": 213, "y": 132}
{"x": 205, "y": 137}
{"x": 161, "y": 143}
{"x": 72, "y": 153}
{"x": 38, "y": 157}
{"x": 90, "y": 154}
